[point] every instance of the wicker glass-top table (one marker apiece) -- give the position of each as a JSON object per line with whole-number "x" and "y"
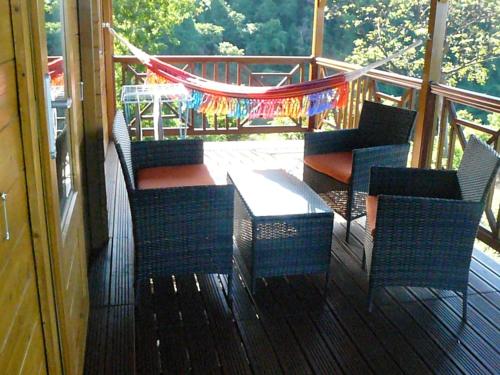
{"x": 281, "y": 226}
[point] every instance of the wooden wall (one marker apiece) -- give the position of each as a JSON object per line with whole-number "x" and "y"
{"x": 22, "y": 348}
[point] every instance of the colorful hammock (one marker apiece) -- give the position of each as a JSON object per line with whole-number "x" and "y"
{"x": 238, "y": 101}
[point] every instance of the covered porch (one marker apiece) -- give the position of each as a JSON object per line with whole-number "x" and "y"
{"x": 187, "y": 325}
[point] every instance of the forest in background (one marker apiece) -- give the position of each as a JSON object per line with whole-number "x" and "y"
{"x": 359, "y": 32}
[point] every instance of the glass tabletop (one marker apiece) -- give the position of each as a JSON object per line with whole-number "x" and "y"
{"x": 274, "y": 192}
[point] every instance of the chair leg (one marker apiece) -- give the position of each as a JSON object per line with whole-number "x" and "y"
{"x": 464, "y": 305}
{"x": 348, "y": 230}
{"x": 350, "y": 195}
{"x": 363, "y": 261}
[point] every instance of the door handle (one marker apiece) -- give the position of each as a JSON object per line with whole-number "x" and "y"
{"x": 3, "y": 196}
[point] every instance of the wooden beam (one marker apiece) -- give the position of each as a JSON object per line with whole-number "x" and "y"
{"x": 93, "y": 122}
{"x": 428, "y": 104}
{"x": 107, "y": 18}
{"x": 316, "y": 48}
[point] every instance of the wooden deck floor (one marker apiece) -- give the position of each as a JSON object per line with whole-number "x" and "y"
{"x": 185, "y": 325}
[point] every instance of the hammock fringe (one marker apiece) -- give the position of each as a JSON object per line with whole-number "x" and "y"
{"x": 237, "y": 101}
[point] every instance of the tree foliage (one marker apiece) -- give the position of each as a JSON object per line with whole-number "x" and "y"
{"x": 151, "y": 23}
{"x": 360, "y": 31}
{"x": 472, "y": 48}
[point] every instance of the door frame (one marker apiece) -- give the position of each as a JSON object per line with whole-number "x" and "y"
{"x": 24, "y": 39}
{"x": 47, "y": 225}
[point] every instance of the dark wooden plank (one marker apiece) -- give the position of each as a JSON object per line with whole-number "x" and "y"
{"x": 487, "y": 305}
{"x": 258, "y": 348}
{"x": 487, "y": 261}
{"x": 338, "y": 339}
{"x": 203, "y": 356}
{"x": 95, "y": 355}
{"x": 99, "y": 275}
{"x": 174, "y": 353}
{"x": 475, "y": 344}
{"x": 120, "y": 348}
{"x": 227, "y": 340}
{"x": 481, "y": 316}
{"x": 214, "y": 298}
{"x": 230, "y": 348}
{"x": 122, "y": 272}
{"x": 309, "y": 338}
{"x": 462, "y": 357}
{"x": 165, "y": 303}
{"x": 344, "y": 272}
{"x": 315, "y": 349}
{"x": 273, "y": 316}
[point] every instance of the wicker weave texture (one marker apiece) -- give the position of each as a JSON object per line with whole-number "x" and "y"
{"x": 381, "y": 140}
{"x": 183, "y": 230}
{"x": 284, "y": 244}
{"x": 180, "y": 230}
{"x": 427, "y": 222}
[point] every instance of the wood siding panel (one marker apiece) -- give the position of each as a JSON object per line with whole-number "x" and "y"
{"x": 22, "y": 349}
{"x": 7, "y": 51}
{"x": 8, "y": 97}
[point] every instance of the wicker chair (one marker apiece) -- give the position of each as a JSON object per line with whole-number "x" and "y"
{"x": 179, "y": 229}
{"x": 339, "y": 162}
{"x": 421, "y": 224}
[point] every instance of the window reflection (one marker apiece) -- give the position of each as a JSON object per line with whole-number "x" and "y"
{"x": 56, "y": 68}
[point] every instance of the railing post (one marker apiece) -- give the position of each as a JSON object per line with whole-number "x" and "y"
{"x": 107, "y": 18}
{"x": 317, "y": 47}
{"x": 428, "y": 105}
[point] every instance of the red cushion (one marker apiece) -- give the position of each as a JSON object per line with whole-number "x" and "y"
{"x": 336, "y": 164}
{"x": 371, "y": 212}
{"x": 174, "y": 176}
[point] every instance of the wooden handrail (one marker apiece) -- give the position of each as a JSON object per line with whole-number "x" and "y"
{"x": 379, "y": 75}
{"x": 186, "y": 59}
{"x": 466, "y": 97}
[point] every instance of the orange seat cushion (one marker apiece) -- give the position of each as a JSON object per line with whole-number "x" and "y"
{"x": 174, "y": 176}
{"x": 336, "y": 164}
{"x": 371, "y": 212}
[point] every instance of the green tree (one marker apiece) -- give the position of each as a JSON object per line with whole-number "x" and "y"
{"x": 472, "y": 44}
{"x": 150, "y": 23}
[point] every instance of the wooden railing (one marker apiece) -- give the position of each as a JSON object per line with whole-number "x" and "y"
{"x": 248, "y": 70}
{"x": 377, "y": 85}
{"x": 367, "y": 87}
{"x": 451, "y": 138}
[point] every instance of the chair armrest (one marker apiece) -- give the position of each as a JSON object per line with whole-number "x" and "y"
{"x": 366, "y": 158}
{"x": 147, "y": 154}
{"x": 426, "y": 237}
{"x": 331, "y": 141}
{"x": 414, "y": 182}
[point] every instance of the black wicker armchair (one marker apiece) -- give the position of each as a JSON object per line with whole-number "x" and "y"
{"x": 182, "y": 221}
{"x": 339, "y": 162}
{"x": 421, "y": 224}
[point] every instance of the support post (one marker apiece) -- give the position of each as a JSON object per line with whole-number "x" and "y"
{"x": 428, "y": 104}
{"x": 93, "y": 123}
{"x": 317, "y": 47}
{"x": 107, "y": 18}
